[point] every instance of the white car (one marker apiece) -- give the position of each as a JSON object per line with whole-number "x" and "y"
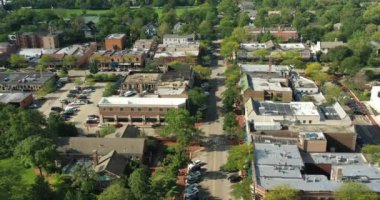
{"x": 129, "y": 93}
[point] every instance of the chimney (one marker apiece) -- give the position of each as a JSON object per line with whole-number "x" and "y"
{"x": 95, "y": 157}
{"x": 336, "y": 174}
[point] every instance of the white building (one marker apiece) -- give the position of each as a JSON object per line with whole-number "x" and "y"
{"x": 324, "y": 47}
{"x": 303, "y": 85}
{"x": 178, "y": 39}
{"x": 374, "y": 102}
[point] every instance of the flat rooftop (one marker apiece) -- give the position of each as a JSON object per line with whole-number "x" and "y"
{"x": 259, "y": 84}
{"x": 290, "y": 109}
{"x": 31, "y": 78}
{"x": 271, "y": 169}
{"x": 14, "y": 97}
{"x": 253, "y": 46}
{"x": 143, "y": 77}
{"x": 334, "y": 158}
{"x": 277, "y": 154}
{"x": 116, "y": 36}
{"x": 136, "y": 101}
{"x": 323, "y": 128}
{"x": 332, "y": 112}
{"x": 302, "y": 82}
{"x": 285, "y": 46}
{"x": 264, "y": 68}
{"x": 312, "y": 135}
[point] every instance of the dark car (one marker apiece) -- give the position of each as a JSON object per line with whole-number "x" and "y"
{"x": 234, "y": 178}
{"x": 83, "y": 97}
{"x": 56, "y": 109}
{"x": 71, "y": 95}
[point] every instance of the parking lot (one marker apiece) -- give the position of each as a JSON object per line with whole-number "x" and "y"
{"x": 79, "y": 117}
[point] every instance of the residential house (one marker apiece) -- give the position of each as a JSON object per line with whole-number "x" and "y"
{"x": 324, "y": 47}
{"x": 284, "y": 33}
{"x": 111, "y": 165}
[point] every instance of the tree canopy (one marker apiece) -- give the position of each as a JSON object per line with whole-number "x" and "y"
{"x": 281, "y": 192}
{"x": 354, "y": 191}
{"x": 239, "y": 158}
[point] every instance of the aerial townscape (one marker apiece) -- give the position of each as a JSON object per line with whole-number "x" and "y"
{"x": 190, "y": 100}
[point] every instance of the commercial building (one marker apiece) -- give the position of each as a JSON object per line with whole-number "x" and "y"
{"x": 23, "y": 81}
{"x": 147, "y": 45}
{"x": 115, "y": 42}
{"x": 18, "y": 99}
{"x": 294, "y": 113}
{"x": 82, "y": 53}
{"x": 135, "y": 109}
{"x": 302, "y": 85}
{"x": 276, "y": 73}
{"x": 312, "y": 142}
{"x": 313, "y": 175}
{"x": 167, "y": 53}
{"x": 172, "y": 39}
{"x": 125, "y": 59}
{"x": 142, "y": 81}
{"x": 50, "y": 41}
{"x": 6, "y": 49}
{"x": 284, "y": 33}
{"x": 37, "y": 40}
{"x": 263, "y": 89}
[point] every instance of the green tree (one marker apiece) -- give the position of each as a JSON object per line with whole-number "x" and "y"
{"x": 109, "y": 90}
{"x": 350, "y": 65}
{"x": 139, "y": 183}
{"x": 84, "y": 179}
{"x": 164, "y": 184}
{"x": 163, "y": 29}
{"x": 36, "y": 151}
{"x": 116, "y": 191}
{"x": 69, "y": 61}
{"x": 45, "y": 60}
{"x": 94, "y": 67}
{"x": 281, "y": 192}
{"x": 230, "y": 97}
{"x": 107, "y": 130}
{"x": 57, "y": 127}
{"x": 17, "y": 61}
{"x": 339, "y": 53}
{"x": 239, "y": 158}
{"x": 354, "y": 191}
{"x": 63, "y": 72}
{"x": 242, "y": 190}
{"x": 202, "y": 72}
{"x": 197, "y": 96}
{"x": 261, "y": 54}
{"x": 230, "y": 121}
{"x": 181, "y": 125}
{"x": 78, "y": 82}
{"x": 40, "y": 190}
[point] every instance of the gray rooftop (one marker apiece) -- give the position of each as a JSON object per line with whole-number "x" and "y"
{"x": 15, "y": 97}
{"x": 273, "y": 154}
{"x": 334, "y": 158}
{"x": 24, "y": 78}
{"x": 85, "y": 146}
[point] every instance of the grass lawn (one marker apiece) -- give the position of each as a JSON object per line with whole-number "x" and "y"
{"x": 27, "y": 175}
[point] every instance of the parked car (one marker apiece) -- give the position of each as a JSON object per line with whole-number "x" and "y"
{"x": 92, "y": 121}
{"x": 93, "y": 116}
{"x": 82, "y": 97}
{"x": 129, "y": 93}
{"x": 70, "y": 95}
{"x": 56, "y": 109}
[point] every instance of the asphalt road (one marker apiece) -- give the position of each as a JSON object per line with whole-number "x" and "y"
{"x": 214, "y": 184}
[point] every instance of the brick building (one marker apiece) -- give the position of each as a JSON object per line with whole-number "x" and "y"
{"x": 115, "y": 42}
{"x": 18, "y": 99}
{"x": 37, "y": 40}
{"x": 125, "y": 59}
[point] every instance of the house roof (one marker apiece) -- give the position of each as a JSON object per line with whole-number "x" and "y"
{"x": 112, "y": 163}
{"x": 13, "y": 97}
{"x": 85, "y": 145}
{"x": 331, "y": 45}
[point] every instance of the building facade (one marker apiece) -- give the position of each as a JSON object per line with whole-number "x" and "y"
{"x": 115, "y": 42}
{"x": 134, "y": 109}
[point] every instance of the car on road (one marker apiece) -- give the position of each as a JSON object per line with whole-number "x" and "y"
{"x": 56, "y": 109}
{"x": 191, "y": 193}
{"x": 234, "y": 178}
{"x": 92, "y": 121}
{"x": 129, "y": 93}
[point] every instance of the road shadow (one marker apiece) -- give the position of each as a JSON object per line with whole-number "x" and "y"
{"x": 214, "y": 175}
{"x": 205, "y": 194}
